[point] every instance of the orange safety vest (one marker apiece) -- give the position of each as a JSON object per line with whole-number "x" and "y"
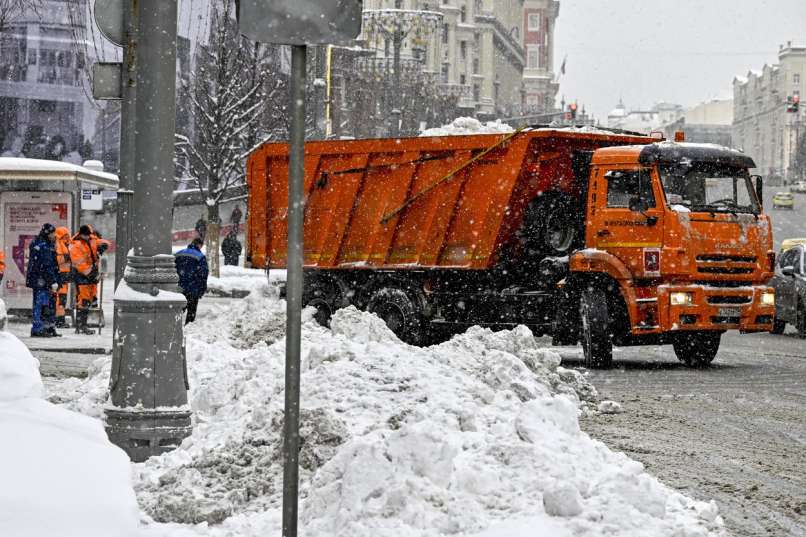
{"x": 2, "y": 262}
{"x": 63, "y": 249}
{"x": 83, "y": 254}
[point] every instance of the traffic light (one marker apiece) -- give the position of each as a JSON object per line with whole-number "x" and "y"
{"x": 572, "y": 108}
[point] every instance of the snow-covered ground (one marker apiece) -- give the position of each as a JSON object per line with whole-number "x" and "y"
{"x": 478, "y": 436}
{"x": 59, "y": 475}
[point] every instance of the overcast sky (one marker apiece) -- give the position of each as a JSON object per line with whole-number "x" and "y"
{"x": 681, "y": 51}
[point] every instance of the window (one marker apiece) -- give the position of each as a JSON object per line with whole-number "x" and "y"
{"x": 534, "y": 22}
{"x": 789, "y": 258}
{"x": 445, "y": 33}
{"x": 462, "y": 79}
{"x": 476, "y": 92}
{"x": 623, "y": 187}
{"x": 463, "y": 14}
{"x": 709, "y": 186}
{"x": 533, "y": 56}
{"x": 796, "y": 78}
{"x": 445, "y": 68}
{"x": 475, "y": 66}
{"x": 463, "y": 49}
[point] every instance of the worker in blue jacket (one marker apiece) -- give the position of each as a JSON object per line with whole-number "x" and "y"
{"x": 42, "y": 276}
{"x": 191, "y": 265}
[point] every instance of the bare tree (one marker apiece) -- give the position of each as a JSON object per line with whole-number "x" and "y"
{"x": 226, "y": 92}
{"x": 12, "y": 10}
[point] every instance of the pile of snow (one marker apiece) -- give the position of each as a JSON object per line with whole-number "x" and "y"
{"x": 242, "y": 280}
{"x": 59, "y": 475}
{"x": 476, "y": 436}
{"x": 469, "y": 125}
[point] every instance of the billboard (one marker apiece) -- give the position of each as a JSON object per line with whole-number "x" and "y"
{"x": 23, "y": 214}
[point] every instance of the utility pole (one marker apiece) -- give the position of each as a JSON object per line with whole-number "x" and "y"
{"x": 149, "y": 413}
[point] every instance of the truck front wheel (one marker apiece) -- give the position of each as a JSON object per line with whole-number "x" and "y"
{"x": 697, "y": 349}
{"x": 597, "y": 342}
{"x": 400, "y": 313}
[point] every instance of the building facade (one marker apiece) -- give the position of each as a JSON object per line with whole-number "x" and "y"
{"x": 709, "y": 122}
{"x": 644, "y": 121}
{"x": 480, "y": 52}
{"x": 762, "y": 126}
{"x": 46, "y": 104}
{"x": 44, "y": 83}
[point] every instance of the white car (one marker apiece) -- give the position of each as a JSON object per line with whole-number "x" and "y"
{"x": 799, "y": 187}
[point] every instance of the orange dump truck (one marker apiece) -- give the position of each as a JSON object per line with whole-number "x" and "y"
{"x": 604, "y": 238}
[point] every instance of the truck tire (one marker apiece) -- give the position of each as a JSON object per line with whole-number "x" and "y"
{"x": 801, "y": 320}
{"x": 597, "y": 342}
{"x": 697, "y": 349}
{"x": 326, "y": 295}
{"x": 400, "y": 313}
{"x": 778, "y": 327}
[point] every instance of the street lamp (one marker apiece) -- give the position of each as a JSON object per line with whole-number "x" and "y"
{"x": 397, "y": 24}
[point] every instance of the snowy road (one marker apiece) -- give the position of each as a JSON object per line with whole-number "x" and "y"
{"x": 735, "y": 433}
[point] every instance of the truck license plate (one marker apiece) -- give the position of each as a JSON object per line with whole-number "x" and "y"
{"x": 730, "y": 312}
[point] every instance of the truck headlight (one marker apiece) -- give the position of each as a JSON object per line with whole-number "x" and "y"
{"x": 768, "y": 298}
{"x": 681, "y": 299}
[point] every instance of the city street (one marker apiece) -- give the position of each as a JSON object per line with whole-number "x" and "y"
{"x": 734, "y": 433}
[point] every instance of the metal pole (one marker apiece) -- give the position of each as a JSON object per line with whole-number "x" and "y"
{"x": 296, "y": 175}
{"x": 398, "y": 44}
{"x": 148, "y": 386}
{"x": 127, "y": 142}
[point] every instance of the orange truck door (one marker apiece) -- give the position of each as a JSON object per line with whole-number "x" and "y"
{"x": 627, "y": 219}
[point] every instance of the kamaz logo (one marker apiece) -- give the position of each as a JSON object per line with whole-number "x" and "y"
{"x": 726, "y": 246}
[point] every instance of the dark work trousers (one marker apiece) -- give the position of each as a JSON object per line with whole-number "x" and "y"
{"x": 44, "y": 311}
{"x": 193, "y": 303}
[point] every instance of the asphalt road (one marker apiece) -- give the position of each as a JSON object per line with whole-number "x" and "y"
{"x": 735, "y": 432}
{"x": 786, "y": 224}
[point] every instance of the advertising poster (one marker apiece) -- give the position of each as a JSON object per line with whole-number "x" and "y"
{"x": 23, "y": 215}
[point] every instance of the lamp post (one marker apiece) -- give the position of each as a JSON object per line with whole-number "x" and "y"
{"x": 397, "y": 25}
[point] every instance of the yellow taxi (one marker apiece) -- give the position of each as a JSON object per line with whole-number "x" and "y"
{"x": 783, "y": 200}
{"x": 791, "y": 243}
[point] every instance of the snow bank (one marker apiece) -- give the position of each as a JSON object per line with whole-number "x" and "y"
{"x": 59, "y": 475}
{"x": 469, "y": 125}
{"x": 477, "y": 436}
{"x": 239, "y": 279}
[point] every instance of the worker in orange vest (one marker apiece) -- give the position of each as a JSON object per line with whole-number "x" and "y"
{"x": 65, "y": 269}
{"x": 2, "y": 264}
{"x": 101, "y": 246}
{"x": 84, "y": 257}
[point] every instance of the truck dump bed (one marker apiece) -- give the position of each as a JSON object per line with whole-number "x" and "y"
{"x": 430, "y": 202}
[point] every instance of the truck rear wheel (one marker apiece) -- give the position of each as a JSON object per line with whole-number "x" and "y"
{"x": 325, "y": 294}
{"x": 400, "y": 313}
{"x": 697, "y": 349}
{"x": 800, "y": 317}
{"x": 597, "y": 342}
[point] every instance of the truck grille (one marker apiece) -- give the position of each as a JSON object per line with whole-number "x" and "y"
{"x": 729, "y": 299}
{"x": 726, "y": 264}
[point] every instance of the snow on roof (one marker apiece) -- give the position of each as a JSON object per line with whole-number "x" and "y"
{"x": 29, "y": 169}
{"x": 469, "y": 125}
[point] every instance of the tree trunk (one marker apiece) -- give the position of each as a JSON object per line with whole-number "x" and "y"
{"x": 213, "y": 236}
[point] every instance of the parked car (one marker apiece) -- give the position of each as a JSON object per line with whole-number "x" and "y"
{"x": 783, "y": 200}
{"x": 790, "y": 290}
{"x": 799, "y": 187}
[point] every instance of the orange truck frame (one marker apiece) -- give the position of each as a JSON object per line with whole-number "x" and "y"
{"x": 605, "y": 238}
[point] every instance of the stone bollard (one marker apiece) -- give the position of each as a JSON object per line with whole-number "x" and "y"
{"x": 149, "y": 412}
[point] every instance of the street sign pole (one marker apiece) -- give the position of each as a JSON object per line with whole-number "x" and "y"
{"x": 296, "y": 177}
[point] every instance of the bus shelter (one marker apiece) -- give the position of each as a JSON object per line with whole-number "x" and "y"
{"x": 34, "y": 192}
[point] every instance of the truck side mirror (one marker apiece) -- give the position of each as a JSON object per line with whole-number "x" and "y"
{"x": 788, "y": 270}
{"x": 759, "y": 189}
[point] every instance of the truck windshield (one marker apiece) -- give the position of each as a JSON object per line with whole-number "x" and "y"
{"x": 710, "y": 188}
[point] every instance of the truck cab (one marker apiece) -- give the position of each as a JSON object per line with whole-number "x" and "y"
{"x": 677, "y": 250}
